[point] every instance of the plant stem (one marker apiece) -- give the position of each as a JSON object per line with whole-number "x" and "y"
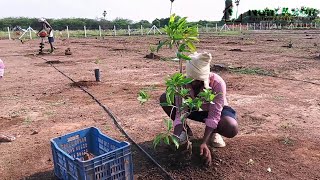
{"x": 171, "y": 8}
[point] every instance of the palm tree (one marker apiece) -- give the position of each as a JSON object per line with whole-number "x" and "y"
{"x": 171, "y": 6}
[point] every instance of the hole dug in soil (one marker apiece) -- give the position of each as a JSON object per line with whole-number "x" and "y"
{"x": 237, "y": 49}
{"x": 152, "y": 56}
{"x": 54, "y": 62}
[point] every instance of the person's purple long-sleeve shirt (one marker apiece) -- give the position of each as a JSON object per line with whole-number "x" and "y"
{"x": 219, "y": 87}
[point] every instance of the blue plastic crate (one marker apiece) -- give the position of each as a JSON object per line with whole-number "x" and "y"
{"x": 112, "y": 159}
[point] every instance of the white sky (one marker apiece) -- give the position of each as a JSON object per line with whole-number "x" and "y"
{"x": 136, "y": 9}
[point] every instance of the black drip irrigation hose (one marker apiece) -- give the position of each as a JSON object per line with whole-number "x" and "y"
{"x": 115, "y": 121}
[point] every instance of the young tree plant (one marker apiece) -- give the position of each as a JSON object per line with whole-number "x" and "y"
{"x": 181, "y": 38}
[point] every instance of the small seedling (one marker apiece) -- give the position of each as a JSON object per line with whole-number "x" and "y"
{"x": 152, "y": 48}
{"x": 287, "y": 141}
{"x": 252, "y": 71}
{"x": 97, "y": 61}
{"x": 27, "y": 121}
{"x": 143, "y": 97}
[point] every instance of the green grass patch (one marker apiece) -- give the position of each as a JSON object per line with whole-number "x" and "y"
{"x": 252, "y": 71}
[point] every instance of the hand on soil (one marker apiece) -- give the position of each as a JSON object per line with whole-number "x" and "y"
{"x": 205, "y": 152}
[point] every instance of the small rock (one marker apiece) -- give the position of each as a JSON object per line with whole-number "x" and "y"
{"x": 269, "y": 169}
{"x": 4, "y": 138}
{"x": 34, "y": 132}
{"x": 250, "y": 162}
{"x": 49, "y": 160}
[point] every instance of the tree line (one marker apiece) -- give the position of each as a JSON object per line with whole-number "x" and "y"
{"x": 79, "y": 23}
{"x": 278, "y": 15}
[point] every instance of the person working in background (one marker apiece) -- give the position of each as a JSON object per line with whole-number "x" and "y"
{"x": 46, "y": 27}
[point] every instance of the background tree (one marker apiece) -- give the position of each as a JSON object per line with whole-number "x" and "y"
{"x": 227, "y": 13}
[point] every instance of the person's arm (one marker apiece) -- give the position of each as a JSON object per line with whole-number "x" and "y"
{"x": 48, "y": 25}
{"x": 215, "y": 110}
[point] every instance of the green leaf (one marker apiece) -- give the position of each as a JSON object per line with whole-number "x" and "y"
{"x": 170, "y": 95}
{"x": 183, "y": 56}
{"x": 207, "y": 95}
{"x": 177, "y": 37}
{"x": 191, "y": 46}
{"x": 172, "y": 18}
{"x": 187, "y": 81}
{"x": 182, "y": 48}
{"x": 175, "y": 141}
{"x": 157, "y": 140}
{"x": 184, "y": 92}
{"x": 166, "y": 140}
{"x": 143, "y": 97}
{"x": 193, "y": 38}
{"x": 169, "y": 124}
{"x": 161, "y": 44}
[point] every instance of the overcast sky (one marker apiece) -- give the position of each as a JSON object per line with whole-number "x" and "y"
{"x": 136, "y": 9}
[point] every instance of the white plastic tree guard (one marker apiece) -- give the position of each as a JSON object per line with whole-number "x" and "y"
{"x": 154, "y": 29}
{"x": 30, "y": 30}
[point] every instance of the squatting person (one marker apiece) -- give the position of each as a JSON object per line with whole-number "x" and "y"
{"x": 219, "y": 118}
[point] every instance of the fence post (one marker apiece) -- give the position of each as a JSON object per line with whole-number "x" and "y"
{"x": 240, "y": 27}
{"x": 198, "y": 28}
{"x": 30, "y": 34}
{"x": 85, "y": 31}
{"x": 9, "y": 33}
{"x": 216, "y": 27}
{"x": 233, "y": 27}
{"x": 129, "y": 30}
{"x": 100, "y": 31}
{"x": 141, "y": 30}
{"x": 207, "y": 28}
{"x": 254, "y": 26}
{"x": 114, "y": 30}
{"x": 247, "y": 26}
{"x": 315, "y": 25}
{"x": 68, "y": 32}
{"x": 260, "y": 26}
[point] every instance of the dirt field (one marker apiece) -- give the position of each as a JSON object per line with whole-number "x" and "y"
{"x": 278, "y": 117}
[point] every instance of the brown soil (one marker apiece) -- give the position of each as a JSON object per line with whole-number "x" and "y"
{"x": 278, "y": 118}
